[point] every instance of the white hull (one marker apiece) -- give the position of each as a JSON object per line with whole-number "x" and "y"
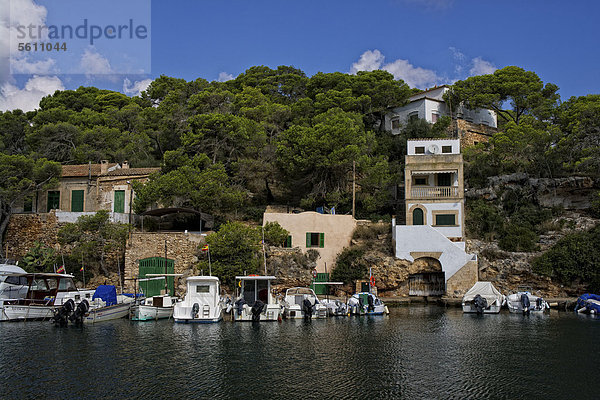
{"x": 377, "y": 310}
{"x": 514, "y": 304}
{"x": 149, "y": 313}
{"x": 25, "y": 313}
{"x": 272, "y": 312}
{"x": 205, "y": 314}
{"x": 295, "y": 312}
{"x": 101, "y": 314}
{"x": 469, "y": 309}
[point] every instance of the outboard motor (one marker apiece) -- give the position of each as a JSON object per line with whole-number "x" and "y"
{"x": 257, "y": 308}
{"x": 195, "y": 310}
{"x": 239, "y": 305}
{"x": 82, "y": 308}
{"x": 539, "y": 304}
{"x": 525, "y": 303}
{"x": 307, "y": 308}
{"x": 371, "y": 306}
{"x": 61, "y": 315}
{"x": 479, "y": 303}
{"x": 353, "y": 304}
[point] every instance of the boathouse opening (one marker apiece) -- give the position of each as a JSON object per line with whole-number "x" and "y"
{"x": 428, "y": 279}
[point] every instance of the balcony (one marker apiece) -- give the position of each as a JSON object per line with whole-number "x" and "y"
{"x": 434, "y": 192}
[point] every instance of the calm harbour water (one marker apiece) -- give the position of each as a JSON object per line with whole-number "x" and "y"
{"x": 417, "y": 352}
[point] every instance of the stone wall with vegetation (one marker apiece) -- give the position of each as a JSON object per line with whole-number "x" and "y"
{"x": 26, "y": 229}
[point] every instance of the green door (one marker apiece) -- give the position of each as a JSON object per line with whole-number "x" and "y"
{"x": 119, "y": 201}
{"x": 156, "y": 265}
{"x": 77, "y": 201}
{"x": 417, "y": 216}
{"x": 321, "y": 289}
{"x": 53, "y": 200}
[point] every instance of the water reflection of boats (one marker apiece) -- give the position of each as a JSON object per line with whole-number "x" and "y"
{"x": 366, "y": 303}
{"x": 523, "y": 301}
{"x": 588, "y": 303}
{"x": 301, "y": 302}
{"x": 483, "y": 298}
{"x": 201, "y": 302}
{"x": 35, "y": 296}
{"x": 255, "y": 302}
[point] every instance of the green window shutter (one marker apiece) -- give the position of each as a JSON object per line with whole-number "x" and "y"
{"x": 307, "y": 239}
{"x": 77, "y": 201}
{"x": 119, "y": 201}
{"x": 321, "y": 240}
{"x": 53, "y": 200}
{"x": 445, "y": 219}
{"x": 288, "y": 241}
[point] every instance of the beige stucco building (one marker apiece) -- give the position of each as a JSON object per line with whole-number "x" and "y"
{"x": 327, "y": 234}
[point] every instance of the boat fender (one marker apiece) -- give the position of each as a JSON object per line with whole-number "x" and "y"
{"x": 195, "y": 310}
{"x": 386, "y": 309}
{"x": 257, "y": 309}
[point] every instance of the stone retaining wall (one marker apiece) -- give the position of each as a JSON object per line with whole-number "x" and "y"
{"x": 25, "y": 229}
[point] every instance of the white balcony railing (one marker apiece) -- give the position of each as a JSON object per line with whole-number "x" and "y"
{"x": 436, "y": 192}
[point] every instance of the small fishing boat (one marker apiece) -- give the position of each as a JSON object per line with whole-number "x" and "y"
{"x": 588, "y": 303}
{"x": 335, "y": 308}
{"x": 155, "y": 307}
{"x": 202, "y": 303}
{"x": 301, "y": 302}
{"x": 106, "y": 305}
{"x": 523, "y": 301}
{"x": 255, "y": 302}
{"x": 483, "y": 298}
{"x": 366, "y": 303}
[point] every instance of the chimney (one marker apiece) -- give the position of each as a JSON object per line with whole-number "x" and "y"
{"x": 125, "y": 165}
{"x": 103, "y": 166}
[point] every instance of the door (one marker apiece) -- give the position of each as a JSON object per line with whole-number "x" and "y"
{"x": 77, "y": 201}
{"x": 119, "y": 201}
{"x": 53, "y": 200}
{"x": 156, "y": 265}
{"x": 417, "y": 216}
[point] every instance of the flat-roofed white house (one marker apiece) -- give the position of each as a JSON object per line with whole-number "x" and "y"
{"x": 435, "y": 214}
{"x": 430, "y": 106}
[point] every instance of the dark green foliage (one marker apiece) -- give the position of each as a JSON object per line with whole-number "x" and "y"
{"x": 350, "y": 265}
{"x": 573, "y": 259}
{"x": 234, "y": 248}
{"x": 518, "y": 238}
{"x": 484, "y": 220}
{"x": 274, "y": 234}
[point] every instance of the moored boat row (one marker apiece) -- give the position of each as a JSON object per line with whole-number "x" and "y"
{"x": 484, "y": 298}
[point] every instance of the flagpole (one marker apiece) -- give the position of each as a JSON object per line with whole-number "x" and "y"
{"x": 209, "y": 264}
{"x": 83, "y": 269}
{"x": 263, "y": 246}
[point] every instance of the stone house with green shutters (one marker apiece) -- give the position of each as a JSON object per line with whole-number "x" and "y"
{"x": 87, "y": 188}
{"x": 326, "y": 233}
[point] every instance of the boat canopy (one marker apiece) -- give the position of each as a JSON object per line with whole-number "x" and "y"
{"x": 108, "y": 293}
{"x": 203, "y": 278}
{"x": 485, "y": 290}
{"x": 299, "y": 290}
{"x": 256, "y": 278}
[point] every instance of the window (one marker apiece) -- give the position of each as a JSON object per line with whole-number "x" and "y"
{"x": 53, "y": 200}
{"x": 119, "y": 201}
{"x": 434, "y": 117}
{"x": 288, "y": 242}
{"x": 16, "y": 280}
{"x": 66, "y": 284}
{"x": 418, "y": 216}
{"x": 314, "y": 239}
{"x": 396, "y": 123}
{"x": 446, "y": 149}
{"x": 77, "y": 201}
{"x": 420, "y": 181}
{"x": 420, "y": 150}
{"x": 445, "y": 219}
{"x": 28, "y": 204}
{"x": 444, "y": 179}
{"x": 413, "y": 116}
{"x": 202, "y": 288}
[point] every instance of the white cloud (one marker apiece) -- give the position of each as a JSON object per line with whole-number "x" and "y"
{"x": 401, "y": 69}
{"x": 136, "y": 88}
{"x": 24, "y": 66}
{"x": 482, "y": 67}
{"x": 224, "y": 77}
{"x": 93, "y": 63}
{"x": 368, "y": 61}
{"x": 28, "y": 98}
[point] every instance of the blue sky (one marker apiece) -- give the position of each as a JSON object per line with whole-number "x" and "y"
{"x": 424, "y": 42}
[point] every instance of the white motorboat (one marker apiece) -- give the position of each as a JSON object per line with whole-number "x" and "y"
{"x": 524, "y": 302}
{"x": 155, "y": 307}
{"x": 300, "y": 302}
{"x": 483, "y": 298}
{"x": 366, "y": 303}
{"x": 256, "y": 302}
{"x": 202, "y": 303}
{"x": 335, "y": 308}
{"x": 35, "y": 296}
{"x": 106, "y": 305}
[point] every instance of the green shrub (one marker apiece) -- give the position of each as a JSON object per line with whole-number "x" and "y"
{"x": 483, "y": 220}
{"x": 350, "y": 265}
{"x": 518, "y": 238}
{"x": 275, "y": 235}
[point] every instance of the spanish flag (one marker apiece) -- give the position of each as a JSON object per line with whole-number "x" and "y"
{"x": 60, "y": 270}
{"x": 205, "y": 248}
{"x": 81, "y": 269}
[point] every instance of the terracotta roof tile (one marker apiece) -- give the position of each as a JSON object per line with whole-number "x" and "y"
{"x": 132, "y": 171}
{"x": 82, "y": 169}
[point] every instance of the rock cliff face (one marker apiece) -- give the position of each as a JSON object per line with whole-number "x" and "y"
{"x": 290, "y": 266}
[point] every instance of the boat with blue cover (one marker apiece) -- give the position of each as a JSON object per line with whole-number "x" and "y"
{"x": 588, "y": 303}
